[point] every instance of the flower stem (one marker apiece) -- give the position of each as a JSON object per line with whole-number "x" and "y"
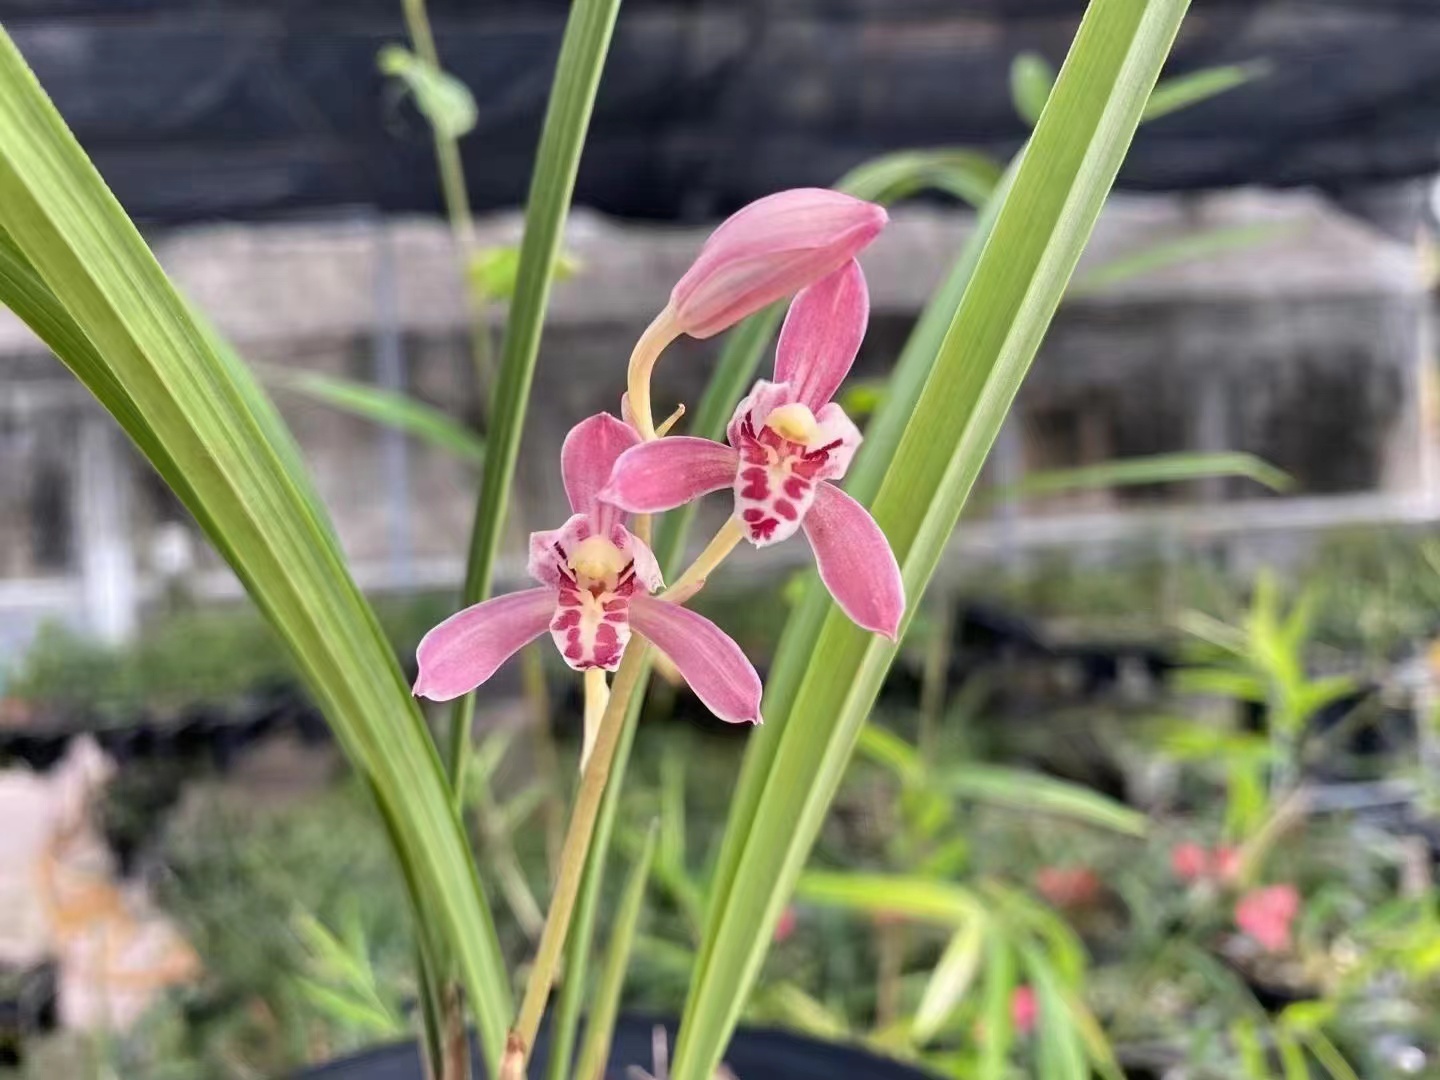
{"x": 447, "y": 147}
{"x": 693, "y": 579}
{"x": 597, "y": 696}
{"x": 577, "y": 844}
{"x": 642, "y": 361}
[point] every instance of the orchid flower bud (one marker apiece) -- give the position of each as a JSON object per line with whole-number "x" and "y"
{"x": 764, "y": 252}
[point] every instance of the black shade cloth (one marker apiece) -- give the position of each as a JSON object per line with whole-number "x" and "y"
{"x": 197, "y": 109}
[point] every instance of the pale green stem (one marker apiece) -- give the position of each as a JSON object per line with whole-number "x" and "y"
{"x": 577, "y": 844}
{"x": 447, "y": 148}
{"x": 657, "y": 335}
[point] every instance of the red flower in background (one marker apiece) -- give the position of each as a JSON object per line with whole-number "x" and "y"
{"x": 1192, "y": 862}
{"x": 786, "y": 926}
{"x": 1189, "y": 861}
{"x": 1024, "y": 1009}
{"x": 1068, "y": 886}
{"x": 1267, "y": 915}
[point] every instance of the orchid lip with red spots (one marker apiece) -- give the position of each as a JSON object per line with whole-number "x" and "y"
{"x": 596, "y": 579}
{"x": 787, "y": 443}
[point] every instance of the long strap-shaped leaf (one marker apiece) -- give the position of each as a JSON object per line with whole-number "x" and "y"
{"x": 800, "y": 755}
{"x": 79, "y": 273}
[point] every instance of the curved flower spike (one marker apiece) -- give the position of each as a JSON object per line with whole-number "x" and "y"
{"x": 764, "y": 252}
{"x": 788, "y": 440}
{"x": 596, "y": 577}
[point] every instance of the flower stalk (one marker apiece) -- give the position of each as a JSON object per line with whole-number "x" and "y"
{"x": 695, "y": 575}
{"x": 659, "y": 334}
{"x": 577, "y": 843}
{"x": 597, "y": 697}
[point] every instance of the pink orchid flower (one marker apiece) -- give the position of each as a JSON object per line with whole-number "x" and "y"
{"x": 1265, "y": 915}
{"x": 596, "y": 578}
{"x": 788, "y": 442}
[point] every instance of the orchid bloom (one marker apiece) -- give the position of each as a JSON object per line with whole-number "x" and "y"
{"x": 788, "y": 442}
{"x": 596, "y": 579}
{"x": 763, "y": 252}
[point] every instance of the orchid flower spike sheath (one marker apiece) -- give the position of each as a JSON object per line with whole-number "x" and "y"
{"x": 596, "y": 579}
{"x": 788, "y": 441}
{"x": 764, "y": 252}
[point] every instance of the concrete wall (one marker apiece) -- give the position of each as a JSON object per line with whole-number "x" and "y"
{"x": 1307, "y": 348}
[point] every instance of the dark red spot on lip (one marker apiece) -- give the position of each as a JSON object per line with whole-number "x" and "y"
{"x": 754, "y": 454}
{"x": 565, "y": 620}
{"x": 753, "y": 514}
{"x": 796, "y": 487}
{"x": 763, "y": 530}
{"x": 785, "y": 509}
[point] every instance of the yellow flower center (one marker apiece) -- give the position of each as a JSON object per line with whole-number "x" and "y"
{"x": 598, "y": 560}
{"x": 794, "y": 422}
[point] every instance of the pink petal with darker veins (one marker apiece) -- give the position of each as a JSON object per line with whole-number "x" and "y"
{"x": 467, "y": 648}
{"x": 855, "y": 561}
{"x": 822, "y": 335}
{"x": 586, "y": 459}
{"x": 667, "y": 473}
{"x": 714, "y": 666}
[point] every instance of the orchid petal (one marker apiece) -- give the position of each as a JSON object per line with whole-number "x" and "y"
{"x": 467, "y": 648}
{"x": 667, "y": 473}
{"x": 855, "y": 560}
{"x": 647, "y": 567}
{"x": 835, "y": 430}
{"x": 711, "y": 662}
{"x": 822, "y": 334}
{"x": 550, "y": 548}
{"x": 764, "y": 398}
{"x": 768, "y": 250}
{"x": 588, "y": 630}
{"x": 586, "y": 459}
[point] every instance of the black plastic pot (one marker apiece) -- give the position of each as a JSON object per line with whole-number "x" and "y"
{"x": 755, "y": 1054}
